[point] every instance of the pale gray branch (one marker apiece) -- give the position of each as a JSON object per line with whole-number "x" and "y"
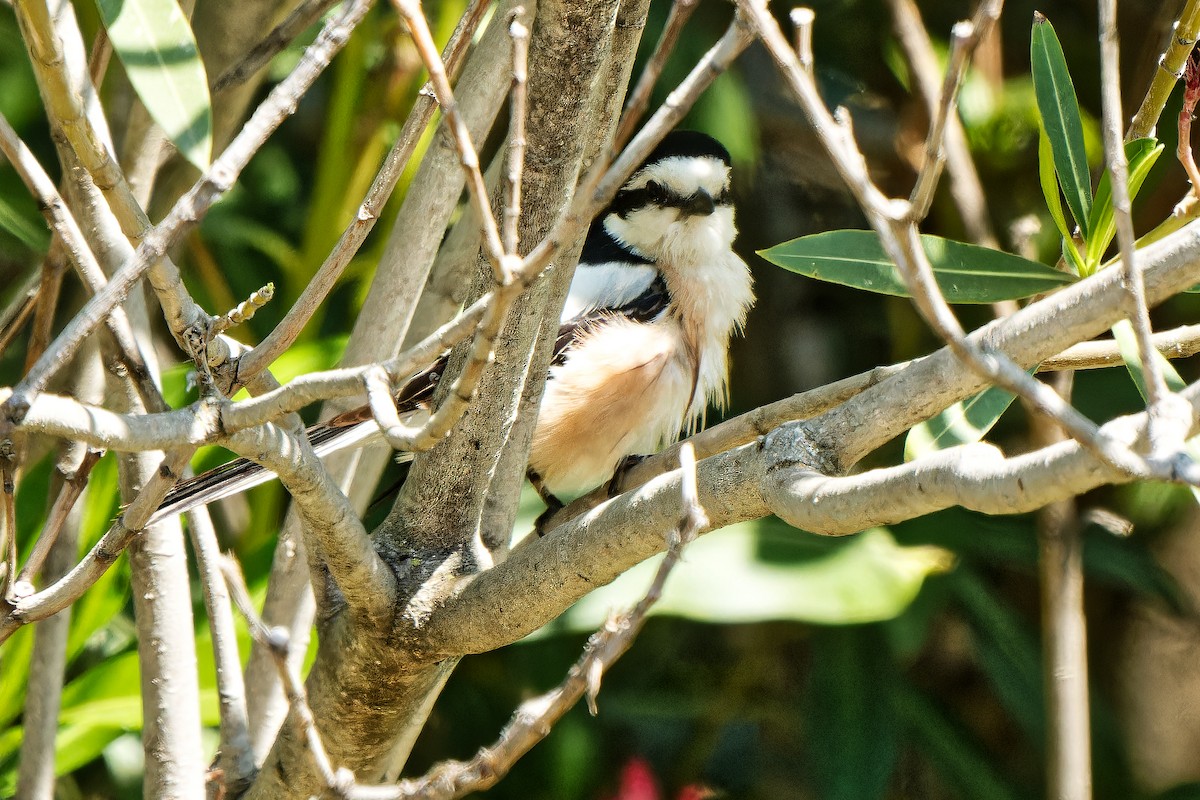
{"x": 591, "y": 550}
{"x": 235, "y": 758}
{"x": 187, "y": 211}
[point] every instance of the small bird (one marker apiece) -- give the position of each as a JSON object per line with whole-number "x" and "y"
{"x": 643, "y": 346}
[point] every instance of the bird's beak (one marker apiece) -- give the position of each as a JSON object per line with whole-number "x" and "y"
{"x": 699, "y": 205}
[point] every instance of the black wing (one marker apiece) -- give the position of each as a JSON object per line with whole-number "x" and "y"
{"x": 241, "y": 474}
{"x": 646, "y": 307}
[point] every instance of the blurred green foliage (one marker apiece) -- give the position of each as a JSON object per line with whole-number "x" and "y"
{"x": 891, "y": 664}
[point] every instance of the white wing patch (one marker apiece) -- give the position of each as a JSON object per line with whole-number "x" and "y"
{"x": 608, "y": 285}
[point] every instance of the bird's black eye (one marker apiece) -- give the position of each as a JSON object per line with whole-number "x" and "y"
{"x": 656, "y": 192}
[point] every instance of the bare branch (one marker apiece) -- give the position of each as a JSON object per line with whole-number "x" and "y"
{"x": 754, "y": 480}
{"x": 1169, "y": 420}
{"x": 8, "y": 537}
{"x": 302, "y": 16}
{"x": 277, "y": 642}
{"x": 63, "y": 224}
{"x": 535, "y": 718}
{"x": 42, "y": 330}
{"x": 1183, "y": 148}
{"x": 188, "y": 210}
{"x": 1180, "y": 342}
{"x": 892, "y": 221}
{"x": 62, "y": 593}
{"x": 57, "y": 54}
{"x": 285, "y": 333}
{"x": 639, "y": 98}
{"x": 410, "y": 10}
{"x": 22, "y": 308}
{"x": 334, "y": 533}
{"x": 965, "y": 186}
{"x": 235, "y": 759}
{"x": 1170, "y": 68}
{"x": 516, "y": 137}
{"x": 73, "y": 484}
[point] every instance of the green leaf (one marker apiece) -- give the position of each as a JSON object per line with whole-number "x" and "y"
{"x": 156, "y": 46}
{"x": 725, "y": 579}
{"x": 1049, "y": 182}
{"x": 32, "y": 234}
{"x": 14, "y": 666}
{"x": 1141, "y": 155}
{"x": 1127, "y": 344}
{"x": 1060, "y": 116}
{"x": 962, "y": 423}
{"x": 966, "y": 273}
{"x": 74, "y": 746}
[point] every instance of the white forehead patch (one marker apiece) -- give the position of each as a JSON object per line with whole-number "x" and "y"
{"x": 684, "y": 175}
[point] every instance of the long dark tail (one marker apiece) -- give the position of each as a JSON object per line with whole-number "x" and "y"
{"x": 344, "y": 430}
{"x": 242, "y": 474}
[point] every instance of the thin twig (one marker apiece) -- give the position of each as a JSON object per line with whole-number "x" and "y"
{"x": 1170, "y": 418}
{"x": 24, "y": 308}
{"x": 1191, "y": 94}
{"x": 301, "y": 19}
{"x": 82, "y": 258}
{"x": 963, "y": 37}
{"x": 1180, "y": 342}
{"x": 244, "y": 311}
{"x": 216, "y": 181}
{"x": 1170, "y": 68}
{"x": 414, "y": 18}
{"x": 277, "y": 642}
{"x": 235, "y": 760}
{"x": 49, "y": 291}
{"x": 892, "y": 221}
{"x": 802, "y": 21}
{"x": 516, "y": 137}
{"x": 8, "y": 544}
{"x": 965, "y": 186}
{"x": 535, "y": 718}
{"x": 285, "y": 333}
{"x": 639, "y": 98}
{"x": 416, "y": 439}
{"x": 25, "y": 294}
{"x": 62, "y": 593}
{"x": 73, "y": 485}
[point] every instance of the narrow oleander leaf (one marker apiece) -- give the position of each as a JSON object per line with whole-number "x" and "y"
{"x": 1141, "y": 155}
{"x": 1059, "y": 109}
{"x": 966, "y": 273}
{"x": 1127, "y": 344}
{"x": 29, "y": 231}
{"x": 1049, "y": 182}
{"x": 155, "y": 44}
{"x": 964, "y": 422}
